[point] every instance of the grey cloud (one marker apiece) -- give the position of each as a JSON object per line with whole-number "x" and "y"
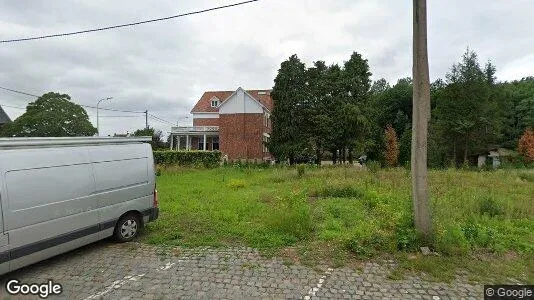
{"x": 165, "y": 67}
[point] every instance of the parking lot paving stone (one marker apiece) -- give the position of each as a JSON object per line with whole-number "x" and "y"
{"x": 107, "y": 270}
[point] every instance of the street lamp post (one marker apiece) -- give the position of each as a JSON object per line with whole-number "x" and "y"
{"x": 97, "y": 120}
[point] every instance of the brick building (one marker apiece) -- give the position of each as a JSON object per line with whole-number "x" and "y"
{"x": 235, "y": 122}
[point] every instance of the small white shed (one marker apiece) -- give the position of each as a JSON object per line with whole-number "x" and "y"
{"x": 495, "y": 155}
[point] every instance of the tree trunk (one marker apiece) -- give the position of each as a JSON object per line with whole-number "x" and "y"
{"x": 421, "y": 117}
{"x": 351, "y": 159}
{"x": 465, "y": 151}
{"x": 454, "y": 156}
{"x": 334, "y": 156}
{"x": 318, "y": 154}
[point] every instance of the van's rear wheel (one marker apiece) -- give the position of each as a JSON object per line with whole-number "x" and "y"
{"x": 127, "y": 228}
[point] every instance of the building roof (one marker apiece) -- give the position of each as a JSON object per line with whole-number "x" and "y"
{"x": 4, "y": 118}
{"x": 496, "y": 151}
{"x": 204, "y": 103}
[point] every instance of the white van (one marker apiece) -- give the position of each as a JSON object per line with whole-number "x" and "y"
{"x": 57, "y": 194}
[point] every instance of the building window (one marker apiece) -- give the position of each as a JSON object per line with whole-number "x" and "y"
{"x": 266, "y": 120}
{"x": 214, "y": 102}
{"x": 265, "y": 140}
{"x": 215, "y": 143}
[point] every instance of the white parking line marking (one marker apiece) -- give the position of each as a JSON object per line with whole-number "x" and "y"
{"x": 313, "y": 291}
{"x": 166, "y": 267}
{"x": 115, "y": 285}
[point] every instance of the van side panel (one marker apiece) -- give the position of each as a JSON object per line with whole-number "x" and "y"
{"x": 151, "y": 167}
{"x": 122, "y": 181}
{"x": 54, "y": 199}
{"x": 39, "y": 195}
{"x": 4, "y": 238}
{"x": 52, "y": 251}
{"x": 49, "y": 201}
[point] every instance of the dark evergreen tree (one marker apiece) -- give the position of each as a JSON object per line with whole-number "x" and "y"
{"x": 290, "y": 93}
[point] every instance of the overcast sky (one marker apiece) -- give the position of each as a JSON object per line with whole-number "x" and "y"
{"x": 165, "y": 67}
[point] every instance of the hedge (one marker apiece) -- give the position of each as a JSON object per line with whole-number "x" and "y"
{"x": 207, "y": 159}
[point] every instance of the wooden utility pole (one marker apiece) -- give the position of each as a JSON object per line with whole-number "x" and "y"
{"x": 421, "y": 117}
{"x": 146, "y": 119}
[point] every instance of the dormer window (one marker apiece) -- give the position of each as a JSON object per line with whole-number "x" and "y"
{"x": 214, "y": 102}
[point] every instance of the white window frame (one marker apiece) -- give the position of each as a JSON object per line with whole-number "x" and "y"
{"x": 215, "y": 102}
{"x": 213, "y": 142}
{"x": 266, "y": 118}
{"x": 265, "y": 140}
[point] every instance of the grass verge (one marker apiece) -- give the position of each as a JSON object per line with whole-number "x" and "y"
{"x": 338, "y": 215}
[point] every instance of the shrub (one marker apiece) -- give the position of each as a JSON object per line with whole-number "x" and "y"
{"x": 369, "y": 244}
{"x": 301, "y": 169}
{"x": 206, "y": 159}
{"x": 489, "y": 206}
{"x": 339, "y": 192}
{"x": 391, "y": 154}
{"x": 406, "y": 236}
{"x": 478, "y": 235}
{"x": 529, "y": 177}
{"x": 373, "y": 166}
{"x": 452, "y": 241}
{"x": 526, "y": 145}
{"x": 248, "y": 165}
{"x": 292, "y": 217}
{"x": 236, "y": 184}
{"x": 356, "y": 246}
{"x": 158, "y": 170}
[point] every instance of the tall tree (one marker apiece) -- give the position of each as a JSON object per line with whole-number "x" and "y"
{"x": 290, "y": 93}
{"x": 379, "y": 86}
{"x": 320, "y": 108}
{"x": 391, "y": 105}
{"x": 468, "y": 114}
{"x": 51, "y": 115}
{"x": 518, "y": 109}
{"x": 421, "y": 117}
{"x": 356, "y": 86}
{"x": 319, "y": 123}
{"x": 332, "y": 101}
{"x": 348, "y": 99}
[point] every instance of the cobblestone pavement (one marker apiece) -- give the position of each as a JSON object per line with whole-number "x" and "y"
{"x": 109, "y": 270}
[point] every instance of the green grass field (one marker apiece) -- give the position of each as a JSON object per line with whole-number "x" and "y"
{"x": 483, "y": 221}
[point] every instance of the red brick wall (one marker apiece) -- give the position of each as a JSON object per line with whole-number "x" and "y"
{"x": 238, "y": 142}
{"x": 206, "y": 122}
